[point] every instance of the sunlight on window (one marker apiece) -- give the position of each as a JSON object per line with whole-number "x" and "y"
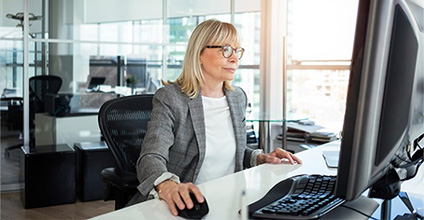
{"x": 320, "y": 42}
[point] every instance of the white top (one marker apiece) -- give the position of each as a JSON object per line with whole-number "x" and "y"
{"x": 220, "y": 152}
{"x": 220, "y": 140}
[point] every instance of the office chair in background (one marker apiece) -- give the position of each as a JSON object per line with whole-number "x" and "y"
{"x": 39, "y": 86}
{"x": 123, "y": 124}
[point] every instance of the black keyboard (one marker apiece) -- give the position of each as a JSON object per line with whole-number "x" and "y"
{"x": 298, "y": 197}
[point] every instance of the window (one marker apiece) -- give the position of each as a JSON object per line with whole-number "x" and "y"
{"x": 319, "y": 47}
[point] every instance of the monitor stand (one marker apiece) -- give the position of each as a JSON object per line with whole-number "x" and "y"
{"x": 387, "y": 188}
{"x": 360, "y": 208}
{"x": 408, "y": 204}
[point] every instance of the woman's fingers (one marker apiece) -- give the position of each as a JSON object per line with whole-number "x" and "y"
{"x": 278, "y": 154}
{"x": 185, "y": 194}
{"x": 177, "y": 200}
{"x": 291, "y": 157}
{"x": 171, "y": 206}
{"x": 196, "y": 191}
{"x": 178, "y": 196}
{"x": 288, "y": 156}
{"x": 272, "y": 159}
{"x": 299, "y": 161}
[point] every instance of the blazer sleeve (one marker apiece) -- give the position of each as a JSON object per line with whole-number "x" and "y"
{"x": 154, "y": 153}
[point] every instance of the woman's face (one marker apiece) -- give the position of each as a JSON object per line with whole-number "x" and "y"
{"x": 216, "y": 68}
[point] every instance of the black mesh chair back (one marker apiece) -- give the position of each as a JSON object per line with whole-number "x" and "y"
{"x": 123, "y": 123}
{"x": 39, "y": 86}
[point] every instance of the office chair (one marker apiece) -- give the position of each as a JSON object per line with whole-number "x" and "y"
{"x": 39, "y": 86}
{"x": 14, "y": 119}
{"x": 123, "y": 124}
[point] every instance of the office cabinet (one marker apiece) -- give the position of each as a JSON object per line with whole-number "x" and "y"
{"x": 49, "y": 175}
{"x": 92, "y": 158}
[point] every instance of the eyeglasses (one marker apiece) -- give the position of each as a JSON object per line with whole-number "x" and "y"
{"x": 227, "y": 51}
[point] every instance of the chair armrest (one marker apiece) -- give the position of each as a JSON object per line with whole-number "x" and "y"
{"x": 124, "y": 180}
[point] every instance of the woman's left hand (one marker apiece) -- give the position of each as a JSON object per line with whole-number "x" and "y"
{"x": 276, "y": 157}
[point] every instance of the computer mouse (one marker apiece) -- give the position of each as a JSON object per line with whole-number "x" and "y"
{"x": 197, "y": 211}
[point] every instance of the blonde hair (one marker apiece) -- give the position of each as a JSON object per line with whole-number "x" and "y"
{"x": 209, "y": 32}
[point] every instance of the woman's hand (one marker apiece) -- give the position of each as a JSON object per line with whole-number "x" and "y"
{"x": 178, "y": 195}
{"x": 276, "y": 157}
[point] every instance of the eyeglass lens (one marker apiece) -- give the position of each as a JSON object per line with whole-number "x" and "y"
{"x": 227, "y": 51}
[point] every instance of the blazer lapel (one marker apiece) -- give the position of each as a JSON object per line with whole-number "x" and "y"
{"x": 237, "y": 117}
{"x": 195, "y": 106}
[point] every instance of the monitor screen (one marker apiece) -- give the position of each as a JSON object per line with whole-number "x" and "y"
{"x": 384, "y": 114}
{"x": 138, "y": 69}
{"x": 108, "y": 67}
{"x": 96, "y": 81}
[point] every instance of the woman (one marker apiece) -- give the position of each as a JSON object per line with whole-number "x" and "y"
{"x": 197, "y": 131}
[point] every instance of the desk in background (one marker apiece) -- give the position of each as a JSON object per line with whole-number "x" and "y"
{"x": 68, "y": 129}
{"x": 70, "y": 118}
{"x": 266, "y": 137}
{"x": 224, "y": 194}
{"x": 264, "y": 130}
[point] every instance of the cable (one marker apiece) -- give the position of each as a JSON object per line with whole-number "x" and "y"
{"x": 368, "y": 216}
{"x": 402, "y": 159}
{"x": 416, "y": 144}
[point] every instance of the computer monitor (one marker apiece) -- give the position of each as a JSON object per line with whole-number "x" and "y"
{"x": 137, "y": 67}
{"x": 96, "y": 81}
{"x": 384, "y": 119}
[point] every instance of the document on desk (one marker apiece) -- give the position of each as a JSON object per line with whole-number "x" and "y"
{"x": 304, "y": 128}
{"x": 331, "y": 158}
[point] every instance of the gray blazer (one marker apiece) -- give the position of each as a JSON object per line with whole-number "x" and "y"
{"x": 175, "y": 140}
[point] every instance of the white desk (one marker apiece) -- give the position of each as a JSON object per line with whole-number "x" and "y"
{"x": 223, "y": 194}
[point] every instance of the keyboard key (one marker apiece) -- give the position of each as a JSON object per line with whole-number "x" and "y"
{"x": 268, "y": 211}
{"x": 283, "y": 211}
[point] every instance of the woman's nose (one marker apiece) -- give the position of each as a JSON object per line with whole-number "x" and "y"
{"x": 233, "y": 58}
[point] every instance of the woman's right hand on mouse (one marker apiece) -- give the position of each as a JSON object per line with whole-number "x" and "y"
{"x": 178, "y": 195}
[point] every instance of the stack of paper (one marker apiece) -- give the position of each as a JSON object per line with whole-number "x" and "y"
{"x": 299, "y": 131}
{"x": 321, "y": 136}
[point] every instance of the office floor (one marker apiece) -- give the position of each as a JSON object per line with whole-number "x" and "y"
{"x": 11, "y": 204}
{"x": 12, "y": 208}
{"x": 9, "y": 165}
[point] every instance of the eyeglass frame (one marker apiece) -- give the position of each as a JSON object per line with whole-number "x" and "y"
{"x": 233, "y": 50}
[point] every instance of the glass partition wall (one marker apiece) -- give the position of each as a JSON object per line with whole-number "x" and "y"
{"x": 102, "y": 50}
{"x": 11, "y": 90}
